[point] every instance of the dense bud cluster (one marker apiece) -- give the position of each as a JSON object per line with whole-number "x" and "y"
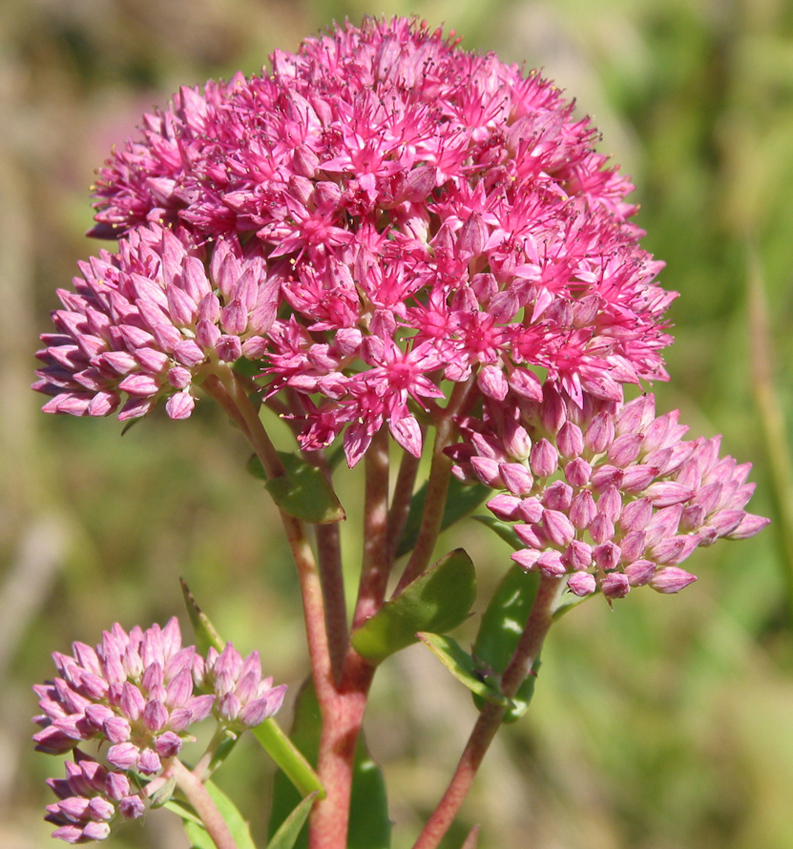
{"x": 140, "y": 693}
{"x": 607, "y": 493}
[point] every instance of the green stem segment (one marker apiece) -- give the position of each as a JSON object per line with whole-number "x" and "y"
{"x": 492, "y": 715}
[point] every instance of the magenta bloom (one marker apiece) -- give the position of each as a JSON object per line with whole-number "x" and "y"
{"x": 608, "y": 494}
{"x": 417, "y": 213}
{"x": 243, "y": 698}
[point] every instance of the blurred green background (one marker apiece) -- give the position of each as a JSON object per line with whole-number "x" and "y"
{"x": 665, "y": 723}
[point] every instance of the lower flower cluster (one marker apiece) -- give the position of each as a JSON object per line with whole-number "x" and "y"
{"x": 605, "y": 493}
{"x": 139, "y": 693}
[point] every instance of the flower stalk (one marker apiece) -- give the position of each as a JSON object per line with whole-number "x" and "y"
{"x": 492, "y": 715}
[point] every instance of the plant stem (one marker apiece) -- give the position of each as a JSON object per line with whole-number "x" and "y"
{"x": 332, "y": 580}
{"x": 198, "y": 796}
{"x": 201, "y": 769}
{"x": 437, "y": 487}
{"x": 400, "y": 502}
{"x": 375, "y": 565}
{"x": 489, "y": 721}
{"x": 341, "y": 724}
{"x": 224, "y": 387}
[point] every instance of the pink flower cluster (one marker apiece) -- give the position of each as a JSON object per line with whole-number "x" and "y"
{"x": 606, "y": 493}
{"x": 415, "y": 212}
{"x": 90, "y": 798}
{"x": 150, "y": 320}
{"x": 140, "y": 692}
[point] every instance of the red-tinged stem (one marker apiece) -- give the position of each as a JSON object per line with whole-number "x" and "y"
{"x": 332, "y": 580}
{"x": 492, "y": 715}
{"x": 341, "y": 724}
{"x": 375, "y": 563}
{"x": 437, "y": 487}
{"x": 198, "y": 796}
{"x": 231, "y": 395}
{"x": 400, "y": 502}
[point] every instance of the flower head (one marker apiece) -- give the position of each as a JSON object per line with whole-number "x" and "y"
{"x": 140, "y": 693}
{"x": 416, "y": 213}
{"x": 150, "y": 321}
{"x": 89, "y": 799}
{"x": 608, "y": 494}
{"x": 243, "y": 698}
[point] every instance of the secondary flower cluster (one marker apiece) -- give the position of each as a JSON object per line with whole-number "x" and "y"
{"x": 140, "y": 692}
{"x": 148, "y": 320}
{"x": 415, "y": 212}
{"x": 606, "y": 493}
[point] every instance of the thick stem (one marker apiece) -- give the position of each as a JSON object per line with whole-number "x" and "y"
{"x": 332, "y": 580}
{"x": 198, "y": 796}
{"x": 341, "y": 725}
{"x": 230, "y": 393}
{"x": 489, "y": 721}
{"x": 400, "y": 502}
{"x": 437, "y": 488}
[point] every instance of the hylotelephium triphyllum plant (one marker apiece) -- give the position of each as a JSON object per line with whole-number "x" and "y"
{"x": 395, "y": 237}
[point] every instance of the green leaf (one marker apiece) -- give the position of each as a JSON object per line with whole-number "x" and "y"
{"x": 502, "y": 529}
{"x": 461, "y": 665}
{"x": 460, "y": 501}
{"x": 288, "y": 757}
{"x": 303, "y": 492}
{"x": 233, "y": 818}
{"x": 287, "y": 834}
{"x": 198, "y": 837}
{"x": 205, "y": 633}
{"x": 501, "y": 627}
{"x": 370, "y": 825}
{"x": 436, "y": 601}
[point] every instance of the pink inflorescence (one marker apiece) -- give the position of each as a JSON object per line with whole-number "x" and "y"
{"x": 607, "y": 494}
{"x": 415, "y": 213}
{"x": 139, "y": 693}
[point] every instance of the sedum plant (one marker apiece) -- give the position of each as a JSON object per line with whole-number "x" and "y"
{"x": 410, "y": 253}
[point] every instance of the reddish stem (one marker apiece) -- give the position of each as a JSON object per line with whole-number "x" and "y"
{"x": 492, "y": 715}
{"x": 341, "y": 723}
{"x": 198, "y": 796}
{"x": 437, "y": 487}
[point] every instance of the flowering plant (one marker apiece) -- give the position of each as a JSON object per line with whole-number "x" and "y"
{"x": 385, "y": 235}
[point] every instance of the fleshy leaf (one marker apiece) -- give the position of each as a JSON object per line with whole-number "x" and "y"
{"x": 436, "y": 601}
{"x": 502, "y": 624}
{"x": 287, "y": 834}
{"x": 370, "y": 825}
{"x": 502, "y": 529}
{"x": 460, "y": 501}
{"x": 461, "y": 665}
{"x": 238, "y": 827}
{"x": 287, "y": 756}
{"x": 205, "y": 633}
{"x": 303, "y": 492}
